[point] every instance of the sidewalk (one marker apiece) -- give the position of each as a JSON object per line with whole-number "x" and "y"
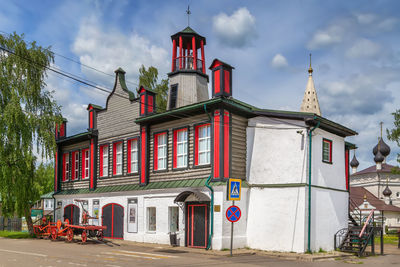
{"x": 238, "y": 252}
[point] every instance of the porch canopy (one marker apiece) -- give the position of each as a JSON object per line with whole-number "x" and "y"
{"x": 191, "y": 196}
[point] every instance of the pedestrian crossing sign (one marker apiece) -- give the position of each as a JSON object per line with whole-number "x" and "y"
{"x": 234, "y": 187}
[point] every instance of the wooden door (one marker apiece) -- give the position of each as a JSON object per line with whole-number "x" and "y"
{"x": 72, "y": 213}
{"x": 196, "y": 225}
{"x": 113, "y": 218}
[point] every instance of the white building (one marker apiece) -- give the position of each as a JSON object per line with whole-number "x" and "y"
{"x": 147, "y": 173}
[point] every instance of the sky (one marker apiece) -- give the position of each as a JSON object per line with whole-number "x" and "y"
{"x": 354, "y": 45}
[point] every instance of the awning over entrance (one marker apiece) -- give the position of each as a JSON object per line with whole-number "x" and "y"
{"x": 191, "y": 196}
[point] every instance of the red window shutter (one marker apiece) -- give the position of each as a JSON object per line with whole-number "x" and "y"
{"x": 101, "y": 161}
{"x": 155, "y": 160}
{"x": 216, "y": 144}
{"x": 83, "y": 163}
{"x": 196, "y": 145}
{"x": 63, "y": 168}
{"x": 129, "y": 156}
{"x": 73, "y": 166}
{"x": 226, "y": 144}
{"x": 175, "y": 148}
{"x": 114, "y": 158}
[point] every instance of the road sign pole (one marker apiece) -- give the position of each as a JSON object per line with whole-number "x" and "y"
{"x": 233, "y": 203}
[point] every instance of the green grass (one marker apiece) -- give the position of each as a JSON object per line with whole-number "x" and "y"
{"x": 387, "y": 239}
{"x": 14, "y": 235}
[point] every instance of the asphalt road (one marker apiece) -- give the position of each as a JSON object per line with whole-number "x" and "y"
{"x": 40, "y": 252}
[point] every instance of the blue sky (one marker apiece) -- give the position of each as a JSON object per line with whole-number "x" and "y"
{"x": 355, "y": 47}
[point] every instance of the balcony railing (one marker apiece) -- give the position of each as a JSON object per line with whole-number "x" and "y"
{"x": 188, "y": 63}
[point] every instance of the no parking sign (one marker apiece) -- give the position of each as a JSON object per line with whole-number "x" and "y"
{"x": 233, "y": 213}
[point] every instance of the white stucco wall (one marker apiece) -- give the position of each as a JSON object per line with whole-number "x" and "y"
{"x": 326, "y": 174}
{"x": 276, "y": 151}
{"x": 329, "y": 213}
{"x": 276, "y": 219}
{"x": 161, "y": 200}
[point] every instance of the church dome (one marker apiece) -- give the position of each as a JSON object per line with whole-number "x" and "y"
{"x": 354, "y": 162}
{"x": 387, "y": 192}
{"x": 379, "y": 157}
{"x": 384, "y": 148}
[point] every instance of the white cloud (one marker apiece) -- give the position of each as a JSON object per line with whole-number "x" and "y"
{"x": 366, "y": 18}
{"x": 279, "y": 61}
{"x": 363, "y": 48}
{"x": 236, "y": 30}
{"x": 109, "y": 49}
{"x": 334, "y": 34}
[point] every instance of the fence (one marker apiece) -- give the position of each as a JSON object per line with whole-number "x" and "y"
{"x": 10, "y": 224}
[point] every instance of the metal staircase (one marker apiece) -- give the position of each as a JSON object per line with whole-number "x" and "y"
{"x": 360, "y": 233}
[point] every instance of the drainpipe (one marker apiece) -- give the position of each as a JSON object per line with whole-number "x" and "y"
{"x": 212, "y": 199}
{"x": 309, "y": 186}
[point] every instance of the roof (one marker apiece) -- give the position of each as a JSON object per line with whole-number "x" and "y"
{"x": 48, "y": 195}
{"x": 75, "y": 138}
{"x": 200, "y": 182}
{"x": 121, "y": 77}
{"x": 188, "y": 30}
{"x": 386, "y": 168}
{"x": 95, "y": 106}
{"x": 357, "y": 195}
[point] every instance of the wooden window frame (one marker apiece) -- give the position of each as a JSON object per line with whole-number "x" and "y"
{"x": 104, "y": 160}
{"x": 330, "y": 143}
{"x": 115, "y": 158}
{"x": 156, "y": 148}
{"x": 197, "y": 145}
{"x": 175, "y": 148}
{"x": 130, "y": 152}
{"x": 84, "y": 167}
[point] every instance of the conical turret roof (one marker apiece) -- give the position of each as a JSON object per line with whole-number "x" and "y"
{"x": 379, "y": 157}
{"x": 310, "y": 100}
{"x": 387, "y": 192}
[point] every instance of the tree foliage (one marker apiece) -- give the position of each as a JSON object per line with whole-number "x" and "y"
{"x": 149, "y": 79}
{"x": 28, "y": 114}
{"x": 394, "y": 134}
{"x": 44, "y": 179}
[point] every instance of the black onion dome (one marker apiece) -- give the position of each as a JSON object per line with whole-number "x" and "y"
{"x": 379, "y": 157}
{"x": 387, "y": 192}
{"x": 354, "y": 162}
{"x": 385, "y": 149}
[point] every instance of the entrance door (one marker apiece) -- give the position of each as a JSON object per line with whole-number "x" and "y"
{"x": 197, "y": 225}
{"x": 113, "y": 218}
{"x": 72, "y": 212}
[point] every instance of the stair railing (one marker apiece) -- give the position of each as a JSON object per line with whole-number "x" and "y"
{"x": 366, "y": 222}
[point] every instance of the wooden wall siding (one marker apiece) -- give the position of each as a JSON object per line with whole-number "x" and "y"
{"x": 118, "y": 118}
{"x": 119, "y": 180}
{"x": 171, "y": 174}
{"x": 239, "y": 125}
{"x": 73, "y": 147}
{"x": 75, "y": 185}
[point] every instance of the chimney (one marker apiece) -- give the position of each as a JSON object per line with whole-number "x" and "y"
{"x": 221, "y": 78}
{"x": 147, "y": 99}
{"x": 61, "y": 130}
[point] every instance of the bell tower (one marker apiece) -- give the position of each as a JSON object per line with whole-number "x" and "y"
{"x": 187, "y": 79}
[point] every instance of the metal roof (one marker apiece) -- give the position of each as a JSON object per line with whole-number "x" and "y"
{"x": 47, "y": 195}
{"x": 200, "y": 182}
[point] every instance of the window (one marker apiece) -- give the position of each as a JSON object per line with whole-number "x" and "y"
{"x": 160, "y": 151}
{"x": 133, "y": 155}
{"x": 104, "y": 161}
{"x": 75, "y": 165}
{"x": 85, "y": 163}
{"x": 202, "y": 144}
{"x": 173, "y": 214}
{"x": 151, "y": 219}
{"x": 398, "y": 194}
{"x": 117, "y": 159}
{"x": 65, "y": 176}
{"x": 48, "y": 204}
{"x": 173, "y": 96}
{"x": 180, "y": 148}
{"x": 326, "y": 150}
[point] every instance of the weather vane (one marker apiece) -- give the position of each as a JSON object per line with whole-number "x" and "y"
{"x": 188, "y": 14}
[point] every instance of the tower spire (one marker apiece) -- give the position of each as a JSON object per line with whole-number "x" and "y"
{"x": 381, "y": 123}
{"x": 310, "y": 100}
{"x": 188, "y": 14}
